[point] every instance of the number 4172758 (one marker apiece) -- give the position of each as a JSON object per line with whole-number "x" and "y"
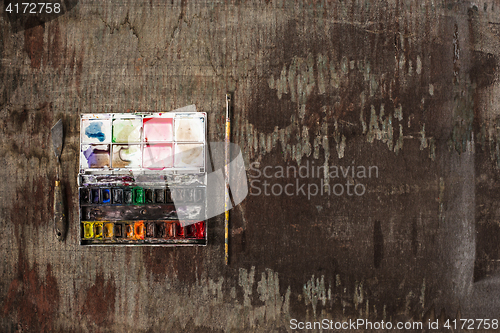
{"x": 34, "y": 8}
{"x": 471, "y": 324}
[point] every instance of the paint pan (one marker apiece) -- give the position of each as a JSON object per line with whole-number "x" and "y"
{"x": 117, "y": 195}
{"x": 150, "y": 229}
{"x": 98, "y": 230}
{"x": 158, "y": 129}
{"x": 95, "y": 196}
{"x": 105, "y": 195}
{"x": 190, "y": 231}
{"x": 88, "y": 230}
{"x": 200, "y": 230}
{"x": 117, "y": 230}
{"x": 139, "y": 230}
{"x": 160, "y": 230}
{"x": 108, "y": 230}
{"x": 127, "y": 197}
{"x": 126, "y": 156}
{"x": 149, "y": 195}
{"x": 159, "y": 195}
{"x": 85, "y": 195}
{"x": 95, "y": 130}
{"x": 138, "y": 195}
{"x": 179, "y": 230}
{"x": 168, "y": 196}
{"x": 188, "y": 195}
{"x": 127, "y": 130}
{"x": 178, "y": 195}
{"x": 189, "y": 155}
{"x": 129, "y": 231}
{"x": 199, "y": 195}
{"x": 158, "y": 156}
{"x": 94, "y": 157}
{"x": 190, "y": 129}
{"x": 170, "y": 230}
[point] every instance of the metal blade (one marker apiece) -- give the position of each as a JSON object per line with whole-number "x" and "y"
{"x": 57, "y": 138}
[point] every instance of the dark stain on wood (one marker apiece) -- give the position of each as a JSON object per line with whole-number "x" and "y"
{"x": 54, "y": 55}
{"x": 378, "y": 244}
{"x": 34, "y": 300}
{"x": 99, "y": 304}
{"x": 79, "y": 68}
{"x": 414, "y": 237}
{"x": 33, "y": 121}
{"x": 186, "y": 265}
{"x": 35, "y": 125}
{"x": 262, "y": 101}
{"x": 483, "y": 69}
{"x": 31, "y": 202}
{"x": 18, "y": 118}
{"x": 34, "y": 44}
{"x": 157, "y": 261}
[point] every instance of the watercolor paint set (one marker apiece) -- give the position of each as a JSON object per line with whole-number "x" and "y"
{"x": 143, "y": 179}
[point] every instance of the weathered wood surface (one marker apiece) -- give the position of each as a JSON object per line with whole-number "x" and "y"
{"x": 410, "y": 87}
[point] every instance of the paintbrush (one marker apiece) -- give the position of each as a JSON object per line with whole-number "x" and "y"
{"x": 59, "y": 215}
{"x": 226, "y": 172}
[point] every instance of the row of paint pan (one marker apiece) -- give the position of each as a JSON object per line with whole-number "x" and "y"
{"x": 126, "y": 128}
{"x": 159, "y": 156}
{"x": 138, "y": 231}
{"x": 139, "y": 195}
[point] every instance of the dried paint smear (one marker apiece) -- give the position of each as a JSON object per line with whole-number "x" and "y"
{"x": 127, "y": 156}
{"x": 96, "y": 131}
{"x": 158, "y": 156}
{"x": 94, "y": 156}
{"x": 189, "y": 155}
{"x": 127, "y": 130}
{"x": 189, "y": 129}
{"x": 158, "y": 129}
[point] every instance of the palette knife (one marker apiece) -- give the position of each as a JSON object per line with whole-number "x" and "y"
{"x": 60, "y": 225}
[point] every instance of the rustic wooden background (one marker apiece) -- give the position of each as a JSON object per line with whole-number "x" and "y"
{"x": 410, "y": 87}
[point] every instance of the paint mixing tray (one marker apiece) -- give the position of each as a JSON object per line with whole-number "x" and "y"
{"x": 143, "y": 179}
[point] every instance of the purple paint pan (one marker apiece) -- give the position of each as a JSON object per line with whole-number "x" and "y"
{"x": 94, "y": 157}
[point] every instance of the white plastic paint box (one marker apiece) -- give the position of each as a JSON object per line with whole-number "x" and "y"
{"x": 143, "y": 178}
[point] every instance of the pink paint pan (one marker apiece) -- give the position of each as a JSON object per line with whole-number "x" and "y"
{"x": 158, "y": 156}
{"x": 158, "y": 129}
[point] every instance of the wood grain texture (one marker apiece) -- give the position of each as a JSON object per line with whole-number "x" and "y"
{"x": 410, "y": 88}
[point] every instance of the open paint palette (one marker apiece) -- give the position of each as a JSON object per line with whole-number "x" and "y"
{"x": 142, "y": 178}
